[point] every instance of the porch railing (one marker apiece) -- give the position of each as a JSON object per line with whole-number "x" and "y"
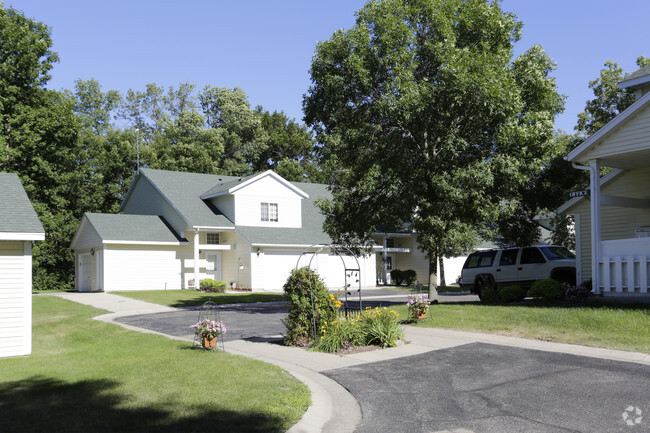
{"x": 624, "y": 265}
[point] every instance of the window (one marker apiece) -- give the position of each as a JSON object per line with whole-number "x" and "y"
{"x": 213, "y": 238}
{"x": 508, "y": 257}
{"x": 390, "y": 243}
{"x": 531, "y": 255}
{"x": 480, "y": 259}
{"x": 389, "y": 263}
{"x": 557, "y": 253}
{"x": 269, "y": 212}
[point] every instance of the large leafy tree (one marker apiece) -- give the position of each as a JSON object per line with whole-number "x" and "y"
{"x": 426, "y": 119}
{"x": 38, "y": 141}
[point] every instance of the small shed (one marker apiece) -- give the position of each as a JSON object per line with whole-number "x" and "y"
{"x": 19, "y": 227}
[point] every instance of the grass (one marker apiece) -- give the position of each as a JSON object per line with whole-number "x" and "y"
{"x": 597, "y": 324}
{"x": 191, "y": 298}
{"x": 85, "y": 375}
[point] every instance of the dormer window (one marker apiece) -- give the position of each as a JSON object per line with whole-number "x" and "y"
{"x": 269, "y": 212}
{"x": 212, "y": 238}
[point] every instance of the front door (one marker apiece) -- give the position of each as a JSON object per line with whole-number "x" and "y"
{"x": 213, "y": 265}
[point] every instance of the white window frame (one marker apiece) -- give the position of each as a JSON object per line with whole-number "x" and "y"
{"x": 269, "y": 212}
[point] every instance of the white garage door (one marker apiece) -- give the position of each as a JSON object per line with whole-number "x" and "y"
{"x": 277, "y": 267}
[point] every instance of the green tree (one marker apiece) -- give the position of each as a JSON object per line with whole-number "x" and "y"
{"x": 609, "y": 101}
{"x": 426, "y": 119}
{"x": 39, "y": 141}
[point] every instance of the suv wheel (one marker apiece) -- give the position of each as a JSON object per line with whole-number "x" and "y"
{"x": 482, "y": 284}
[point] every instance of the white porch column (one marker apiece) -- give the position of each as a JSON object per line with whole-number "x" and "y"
{"x": 196, "y": 258}
{"x": 384, "y": 262}
{"x": 595, "y": 223}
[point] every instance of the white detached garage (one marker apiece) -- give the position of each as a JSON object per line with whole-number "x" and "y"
{"x": 126, "y": 252}
{"x": 19, "y": 227}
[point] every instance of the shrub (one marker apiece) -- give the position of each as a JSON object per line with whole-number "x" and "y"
{"x": 210, "y": 285}
{"x": 512, "y": 294}
{"x": 298, "y": 291}
{"x": 578, "y": 293}
{"x": 397, "y": 277}
{"x": 548, "y": 289}
{"x": 490, "y": 296}
{"x": 370, "y": 327}
{"x": 409, "y": 276}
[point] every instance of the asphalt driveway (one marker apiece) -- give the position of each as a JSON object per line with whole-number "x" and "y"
{"x": 485, "y": 388}
{"x": 473, "y": 388}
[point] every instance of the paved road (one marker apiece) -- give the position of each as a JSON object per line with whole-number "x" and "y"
{"x": 485, "y": 388}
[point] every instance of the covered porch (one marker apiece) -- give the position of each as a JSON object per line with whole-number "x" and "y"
{"x": 619, "y": 203}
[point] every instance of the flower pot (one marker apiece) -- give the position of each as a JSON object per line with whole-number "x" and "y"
{"x": 420, "y": 315}
{"x": 209, "y": 342}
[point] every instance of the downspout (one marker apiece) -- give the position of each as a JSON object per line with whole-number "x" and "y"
{"x": 594, "y": 178}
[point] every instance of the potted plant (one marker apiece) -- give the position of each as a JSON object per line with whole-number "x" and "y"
{"x": 209, "y": 330}
{"x": 418, "y": 306}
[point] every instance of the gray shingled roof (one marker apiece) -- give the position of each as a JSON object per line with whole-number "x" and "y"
{"x": 639, "y": 73}
{"x": 184, "y": 190}
{"x": 16, "y": 212}
{"x": 226, "y": 185}
{"x": 133, "y": 228}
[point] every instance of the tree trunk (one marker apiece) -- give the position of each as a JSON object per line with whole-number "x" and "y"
{"x": 433, "y": 278}
{"x": 443, "y": 283}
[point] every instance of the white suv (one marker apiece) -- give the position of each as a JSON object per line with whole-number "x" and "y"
{"x": 520, "y": 266}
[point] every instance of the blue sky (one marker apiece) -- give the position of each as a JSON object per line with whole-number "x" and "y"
{"x": 265, "y": 47}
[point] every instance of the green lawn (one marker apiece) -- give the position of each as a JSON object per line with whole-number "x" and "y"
{"x": 85, "y": 375}
{"x": 612, "y": 326}
{"x": 441, "y": 289}
{"x": 190, "y": 298}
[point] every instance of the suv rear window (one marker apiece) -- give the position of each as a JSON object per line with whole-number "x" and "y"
{"x": 480, "y": 259}
{"x": 557, "y": 253}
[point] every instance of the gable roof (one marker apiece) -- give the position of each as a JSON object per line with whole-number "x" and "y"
{"x": 242, "y": 182}
{"x": 310, "y": 233}
{"x": 129, "y": 229}
{"x": 18, "y": 220}
{"x": 585, "y": 151}
{"x": 183, "y": 192}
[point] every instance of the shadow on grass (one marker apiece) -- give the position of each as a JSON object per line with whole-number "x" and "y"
{"x": 41, "y": 404}
{"x": 223, "y": 299}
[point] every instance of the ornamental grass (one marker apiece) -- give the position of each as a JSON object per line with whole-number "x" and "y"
{"x": 378, "y": 326}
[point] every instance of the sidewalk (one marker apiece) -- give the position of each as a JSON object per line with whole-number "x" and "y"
{"x": 333, "y": 408}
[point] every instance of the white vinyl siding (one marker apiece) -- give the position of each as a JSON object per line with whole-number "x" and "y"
{"x": 248, "y": 204}
{"x": 632, "y": 135}
{"x": 15, "y": 298}
{"x": 146, "y": 200}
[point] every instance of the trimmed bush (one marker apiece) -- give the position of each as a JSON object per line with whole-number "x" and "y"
{"x": 298, "y": 290}
{"x": 490, "y": 296}
{"x": 210, "y": 285}
{"x": 512, "y": 294}
{"x": 397, "y": 277}
{"x": 409, "y": 276}
{"x": 548, "y": 289}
